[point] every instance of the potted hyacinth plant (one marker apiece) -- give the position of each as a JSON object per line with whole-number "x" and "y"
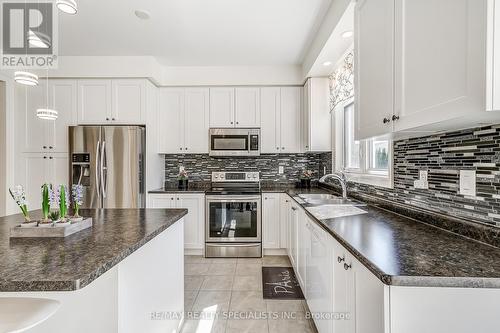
{"x": 19, "y": 195}
{"x": 183, "y": 179}
{"x": 305, "y": 179}
{"x": 64, "y": 203}
{"x": 77, "y": 197}
{"x": 46, "y": 197}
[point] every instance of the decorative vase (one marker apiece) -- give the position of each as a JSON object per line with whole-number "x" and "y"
{"x": 305, "y": 183}
{"x": 183, "y": 184}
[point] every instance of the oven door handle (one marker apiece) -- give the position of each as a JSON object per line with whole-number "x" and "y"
{"x": 231, "y": 198}
{"x": 232, "y": 245}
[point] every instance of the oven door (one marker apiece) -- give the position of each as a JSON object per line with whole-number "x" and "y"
{"x": 233, "y": 219}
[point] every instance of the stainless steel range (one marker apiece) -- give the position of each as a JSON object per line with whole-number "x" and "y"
{"x": 233, "y": 215}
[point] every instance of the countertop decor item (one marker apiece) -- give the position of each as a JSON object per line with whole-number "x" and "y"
{"x": 19, "y": 195}
{"x": 50, "y": 230}
{"x": 77, "y": 197}
{"x": 183, "y": 179}
{"x": 305, "y": 179}
{"x": 45, "y": 202}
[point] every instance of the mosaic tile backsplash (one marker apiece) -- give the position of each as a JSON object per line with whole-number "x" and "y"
{"x": 200, "y": 166}
{"x": 443, "y": 156}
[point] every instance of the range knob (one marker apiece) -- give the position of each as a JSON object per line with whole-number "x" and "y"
{"x": 254, "y": 176}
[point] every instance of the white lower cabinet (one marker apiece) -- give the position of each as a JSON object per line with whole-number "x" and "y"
{"x": 194, "y": 221}
{"x": 292, "y": 248}
{"x": 285, "y": 207}
{"x": 303, "y": 245}
{"x": 271, "y": 220}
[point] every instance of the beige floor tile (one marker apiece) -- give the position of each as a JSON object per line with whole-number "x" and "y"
{"x": 247, "y": 301}
{"x": 253, "y": 261}
{"x": 248, "y": 269}
{"x": 277, "y": 261}
{"x": 212, "y": 301}
{"x": 196, "y": 269}
{"x": 285, "y": 305}
{"x": 221, "y": 269}
{"x": 246, "y": 326}
{"x": 197, "y": 260}
{"x": 189, "y": 298}
{"x": 298, "y": 325}
{"x": 204, "y": 326}
{"x": 193, "y": 282}
{"x": 217, "y": 282}
{"x": 247, "y": 283}
{"x": 224, "y": 260}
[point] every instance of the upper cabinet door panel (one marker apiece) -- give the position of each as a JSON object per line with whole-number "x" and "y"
{"x": 196, "y": 112}
{"x": 33, "y": 136}
{"x": 270, "y": 106}
{"x": 247, "y": 107}
{"x": 63, "y": 99}
{"x": 291, "y": 119}
{"x": 171, "y": 121}
{"x": 440, "y": 60}
{"x": 129, "y": 101}
{"x": 94, "y": 101}
{"x": 374, "y": 66}
{"x": 222, "y": 107}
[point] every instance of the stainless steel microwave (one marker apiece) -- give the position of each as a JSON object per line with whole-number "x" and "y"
{"x": 234, "y": 142}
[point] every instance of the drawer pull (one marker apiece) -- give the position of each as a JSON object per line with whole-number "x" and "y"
{"x": 339, "y": 259}
{"x": 346, "y": 266}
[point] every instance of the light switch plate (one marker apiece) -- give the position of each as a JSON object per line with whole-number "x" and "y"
{"x": 468, "y": 182}
{"x": 420, "y": 184}
{"x": 281, "y": 169}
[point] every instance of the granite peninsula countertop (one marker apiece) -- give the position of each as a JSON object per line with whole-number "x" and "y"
{"x": 401, "y": 251}
{"x": 71, "y": 263}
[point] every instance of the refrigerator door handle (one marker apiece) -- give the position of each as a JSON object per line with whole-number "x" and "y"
{"x": 97, "y": 170}
{"x": 104, "y": 170}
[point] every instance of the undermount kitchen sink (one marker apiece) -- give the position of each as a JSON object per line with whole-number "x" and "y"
{"x": 328, "y": 199}
{"x": 333, "y": 211}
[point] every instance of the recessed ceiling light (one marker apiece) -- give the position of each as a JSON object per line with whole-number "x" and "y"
{"x": 142, "y": 14}
{"x": 67, "y": 6}
{"x": 47, "y": 114}
{"x": 26, "y": 78}
{"x": 347, "y": 34}
{"x": 327, "y": 63}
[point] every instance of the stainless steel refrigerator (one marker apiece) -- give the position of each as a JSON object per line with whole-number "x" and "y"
{"x": 109, "y": 162}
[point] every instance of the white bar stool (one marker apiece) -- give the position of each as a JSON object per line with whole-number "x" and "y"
{"x": 18, "y": 314}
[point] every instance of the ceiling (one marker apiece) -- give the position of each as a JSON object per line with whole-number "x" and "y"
{"x": 195, "y": 32}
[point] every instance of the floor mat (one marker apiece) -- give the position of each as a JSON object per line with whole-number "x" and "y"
{"x": 280, "y": 283}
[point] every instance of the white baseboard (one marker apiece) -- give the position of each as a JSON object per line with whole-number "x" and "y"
{"x": 275, "y": 252}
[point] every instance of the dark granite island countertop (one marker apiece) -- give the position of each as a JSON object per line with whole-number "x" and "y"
{"x": 401, "y": 251}
{"x": 71, "y": 263}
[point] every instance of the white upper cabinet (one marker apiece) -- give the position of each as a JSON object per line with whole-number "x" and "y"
{"x": 196, "y": 120}
{"x": 129, "y": 101}
{"x": 171, "y": 112}
{"x": 493, "y": 56}
{"x": 317, "y": 123}
{"x": 423, "y": 66}
{"x": 439, "y": 63}
{"x": 291, "y": 119}
{"x": 186, "y": 111}
{"x": 374, "y": 66}
{"x": 270, "y": 128}
{"x": 222, "y": 107}
{"x": 247, "y": 110}
{"x": 94, "y": 101}
{"x": 103, "y": 101}
{"x": 38, "y": 135}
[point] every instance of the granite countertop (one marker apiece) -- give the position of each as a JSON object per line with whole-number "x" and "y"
{"x": 404, "y": 252}
{"x": 193, "y": 187}
{"x": 71, "y": 263}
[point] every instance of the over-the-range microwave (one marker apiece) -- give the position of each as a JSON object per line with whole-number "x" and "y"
{"x": 234, "y": 141}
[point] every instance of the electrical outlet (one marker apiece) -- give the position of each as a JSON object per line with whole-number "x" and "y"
{"x": 281, "y": 169}
{"x": 468, "y": 182}
{"x": 423, "y": 175}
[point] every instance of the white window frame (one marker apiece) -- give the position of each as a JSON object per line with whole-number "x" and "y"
{"x": 364, "y": 174}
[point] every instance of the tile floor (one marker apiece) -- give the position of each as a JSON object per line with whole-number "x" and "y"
{"x": 213, "y": 286}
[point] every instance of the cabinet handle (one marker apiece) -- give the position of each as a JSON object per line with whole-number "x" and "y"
{"x": 283, "y": 148}
{"x": 293, "y": 208}
{"x": 394, "y": 118}
{"x": 180, "y": 148}
{"x": 346, "y": 266}
{"x": 386, "y": 120}
{"x": 237, "y": 122}
{"x": 107, "y": 119}
{"x": 45, "y": 157}
{"x": 50, "y": 157}
{"x": 186, "y": 148}
{"x": 113, "y": 119}
{"x": 44, "y": 147}
{"x": 171, "y": 198}
{"x": 339, "y": 259}
{"x": 231, "y": 123}
{"x": 287, "y": 201}
{"x": 177, "y": 198}
{"x": 50, "y": 147}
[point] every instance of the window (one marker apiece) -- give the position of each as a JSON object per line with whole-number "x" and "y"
{"x": 367, "y": 161}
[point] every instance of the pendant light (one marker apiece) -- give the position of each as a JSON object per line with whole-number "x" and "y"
{"x": 67, "y": 6}
{"x": 26, "y": 78}
{"x": 46, "y": 113}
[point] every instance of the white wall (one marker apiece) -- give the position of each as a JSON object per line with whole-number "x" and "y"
{"x": 8, "y": 132}
{"x": 3, "y": 144}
